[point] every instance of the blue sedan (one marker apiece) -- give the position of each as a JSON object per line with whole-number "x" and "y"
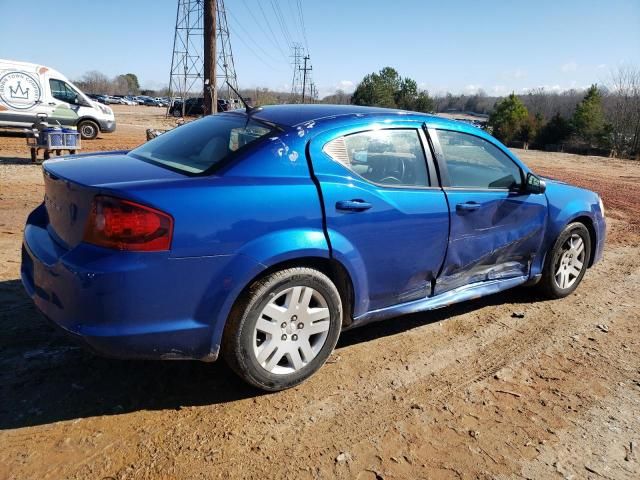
{"x": 261, "y": 235}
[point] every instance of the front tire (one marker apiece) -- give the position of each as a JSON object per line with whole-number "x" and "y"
{"x": 88, "y": 129}
{"x": 283, "y": 328}
{"x": 566, "y": 262}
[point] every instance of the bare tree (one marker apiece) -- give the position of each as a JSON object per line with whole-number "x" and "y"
{"x": 623, "y": 110}
{"x": 94, "y": 82}
{"x": 339, "y": 98}
{"x": 119, "y": 86}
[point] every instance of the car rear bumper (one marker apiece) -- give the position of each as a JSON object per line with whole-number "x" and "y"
{"x": 126, "y": 304}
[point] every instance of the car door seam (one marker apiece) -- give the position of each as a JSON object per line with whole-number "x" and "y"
{"x": 434, "y": 159}
{"x": 316, "y": 182}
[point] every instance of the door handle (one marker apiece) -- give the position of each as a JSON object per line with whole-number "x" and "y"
{"x": 355, "y": 205}
{"x": 467, "y": 207}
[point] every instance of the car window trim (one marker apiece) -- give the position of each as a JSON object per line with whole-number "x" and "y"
{"x": 425, "y": 152}
{"x": 436, "y": 157}
{"x": 433, "y": 134}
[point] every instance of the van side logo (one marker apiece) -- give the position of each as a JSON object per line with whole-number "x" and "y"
{"x": 19, "y": 90}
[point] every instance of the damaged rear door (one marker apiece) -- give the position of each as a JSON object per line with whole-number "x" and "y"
{"x": 496, "y": 229}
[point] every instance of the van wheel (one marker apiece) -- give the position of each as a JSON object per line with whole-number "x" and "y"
{"x": 88, "y": 129}
{"x": 283, "y": 329}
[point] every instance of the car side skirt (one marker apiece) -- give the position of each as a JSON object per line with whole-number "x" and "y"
{"x": 460, "y": 294}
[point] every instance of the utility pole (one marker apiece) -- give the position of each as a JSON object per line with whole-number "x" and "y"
{"x": 304, "y": 76}
{"x": 210, "y": 84}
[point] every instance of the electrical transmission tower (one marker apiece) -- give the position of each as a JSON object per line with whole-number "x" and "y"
{"x": 301, "y": 85}
{"x": 226, "y": 66}
{"x": 296, "y": 83}
{"x": 187, "y": 62}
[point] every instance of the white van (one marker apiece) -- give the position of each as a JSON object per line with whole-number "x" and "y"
{"x": 27, "y": 90}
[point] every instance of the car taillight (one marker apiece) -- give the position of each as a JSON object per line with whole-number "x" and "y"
{"x": 125, "y": 225}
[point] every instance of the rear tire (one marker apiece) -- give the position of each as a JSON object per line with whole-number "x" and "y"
{"x": 566, "y": 262}
{"x": 88, "y": 129}
{"x": 283, "y": 328}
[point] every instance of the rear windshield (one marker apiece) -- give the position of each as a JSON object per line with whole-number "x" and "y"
{"x": 198, "y": 146}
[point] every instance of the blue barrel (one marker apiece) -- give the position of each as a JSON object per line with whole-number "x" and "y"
{"x": 70, "y": 137}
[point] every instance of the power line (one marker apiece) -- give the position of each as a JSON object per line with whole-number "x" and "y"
{"x": 295, "y": 20}
{"x": 259, "y": 57}
{"x": 304, "y": 28}
{"x": 273, "y": 38}
{"x": 282, "y": 22}
{"x": 249, "y": 37}
{"x": 270, "y": 29}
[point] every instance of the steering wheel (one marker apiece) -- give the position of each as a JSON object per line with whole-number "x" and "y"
{"x": 391, "y": 181}
{"x": 397, "y": 174}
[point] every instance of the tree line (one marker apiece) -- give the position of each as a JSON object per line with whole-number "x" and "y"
{"x": 124, "y": 84}
{"x": 600, "y": 120}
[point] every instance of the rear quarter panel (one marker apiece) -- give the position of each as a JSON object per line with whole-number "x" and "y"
{"x": 261, "y": 210}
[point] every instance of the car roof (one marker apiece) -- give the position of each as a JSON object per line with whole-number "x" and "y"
{"x": 299, "y": 115}
{"x": 292, "y": 115}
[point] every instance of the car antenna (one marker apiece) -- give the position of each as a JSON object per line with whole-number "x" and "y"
{"x": 247, "y": 108}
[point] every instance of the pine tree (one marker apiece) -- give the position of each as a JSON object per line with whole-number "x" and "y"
{"x": 555, "y": 132}
{"x": 508, "y": 118}
{"x": 588, "y": 118}
{"x": 388, "y": 89}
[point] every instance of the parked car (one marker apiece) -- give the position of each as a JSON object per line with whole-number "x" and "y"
{"x": 161, "y": 102}
{"x": 150, "y": 102}
{"x": 107, "y": 100}
{"x": 195, "y": 106}
{"x": 117, "y": 100}
{"x": 125, "y": 100}
{"x": 260, "y": 236}
{"x": 29, "y": 91}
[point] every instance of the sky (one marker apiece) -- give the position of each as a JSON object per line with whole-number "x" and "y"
{"x": 460, "y": 47}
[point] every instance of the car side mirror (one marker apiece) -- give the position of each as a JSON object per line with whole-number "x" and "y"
{"x": 534, "y": 184}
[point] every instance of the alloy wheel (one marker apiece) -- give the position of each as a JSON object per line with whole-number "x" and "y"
{"x": 571, "y": 262}
{"x": 291, "y": 330}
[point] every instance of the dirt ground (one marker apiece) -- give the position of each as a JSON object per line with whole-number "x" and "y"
{"x": 509, "y": 386}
